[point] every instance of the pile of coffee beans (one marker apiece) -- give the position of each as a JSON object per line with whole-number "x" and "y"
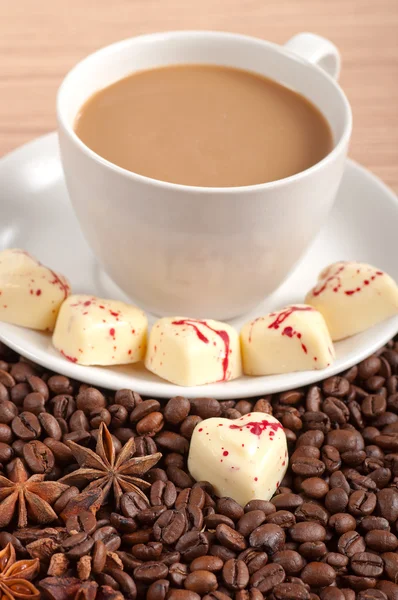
{"x": 329, "y": 533}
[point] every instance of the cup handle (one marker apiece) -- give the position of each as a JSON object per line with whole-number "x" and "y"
{"x": 316, "y": 50}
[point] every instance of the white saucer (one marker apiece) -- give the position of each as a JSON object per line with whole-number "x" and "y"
{"x": 36, "y": 215}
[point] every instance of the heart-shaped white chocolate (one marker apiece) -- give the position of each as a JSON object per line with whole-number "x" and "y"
{"x": 294, "y": 338}
{"x": 30, "y": 293}
{"x": 352, "y": 297}
{"x": 243, "y": 459}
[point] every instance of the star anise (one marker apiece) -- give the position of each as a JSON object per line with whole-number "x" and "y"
{"x": 15, "y": 576}
{"x": 105, "y": 470}
{"x": 30, "y": 497}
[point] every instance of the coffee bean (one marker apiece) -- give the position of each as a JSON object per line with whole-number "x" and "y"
{"x": 387, "y": 503}
{"x": 243, "y": 406}
{"x": 230, "y": 508}
{"x": 192, "y": 544}
{"x": 39, "y": 457}
{"x": 313, "y": 550}
{"x": 313, "y": 399}
{"x": 98, "y": 556}
{"x": 179, "y": 477}
{"x": 336, "y": 560}
{"x": 331, "y": 593}
{"x": 290, "y": 591}
{"x": 61, "y": 451}
{"x": 263, "y": 405}
{"x": 150, "y": 424}
{"x": 6, "y": 453}
{"x": 367, "y": 564}
{"x": 126, "y": 583}
{"x": 109, "y": 536}
{"x": 205, "y": 407}
{"x": 266, "y": 578}
{"x": 254, "y": 560}
{"x": 26, "y": 426}
{"x": 287, "y": 501}
{"x": 362, "y": 503}
{"x": 149, "y": 515}
{"x": 381, "y": 540}
{"x": 173, "y": 442}
{"x": 308, "y": 467}
{"x": 201, "y": 582}
{"x": 336, "y": 386}
{"x": 345, "y": 440}
{"x": 336, "y": 500}
{"x": 342, "y": 522}
{"x": 132, "y": 503}
{"x": 176, "y": 410}
{"x": 390, "y": 560}
{"x": 351, "y": 543}
{"x": 77, "y": 545}
{"x": 235, "y": 574}
{"x": 84, "y": 521}
{"x": 221, "y": 552}
{"x": 338, "y": 480}
{"x": 249, "y": 521}
{"x": 149, "y": 572}
{"x": 6, "y": 379}
{"x": 8, "y": 411}
{"x": 50, "y": 425}
{"x": 90, "y": 399}
{"x": 309, "y": 511}
{"x": 317, "y": 421}
{"x": 123, "y": 524}
{"x": 230, "y": 538}
{"x": 282, "y": 518}
{"x": 336, "y": 410}
{"x": 158, "y": 590}
{"x": 182, "y": 595}
{"x": 206, "y": 563}
{"x": 59, "y": 384}
{"x": 252, "y": 594}
{"x": 34, "y": 403}
{"x": 307, "y": 531}
{"x": 291, "y": 561}
{"x": 163, "y": 493}
{"x": 215, "y": 519}
{"x": 265, "y": 506}
{"x": 315, "y": 487}
{"x": 170, "y": 526}
{"x": 318, "y": 574}
{"x": 308, "y": 451}
{"x": 268, "y": 537}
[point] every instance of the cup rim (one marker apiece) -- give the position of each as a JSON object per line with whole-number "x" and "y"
{"x": 68, "y": 129}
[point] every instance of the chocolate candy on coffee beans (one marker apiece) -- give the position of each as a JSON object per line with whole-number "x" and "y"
{"x": 97, "y": 503}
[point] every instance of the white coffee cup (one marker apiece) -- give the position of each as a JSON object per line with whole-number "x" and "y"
{"x": 195, "y": 251}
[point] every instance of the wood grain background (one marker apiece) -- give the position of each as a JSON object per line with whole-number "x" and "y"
{"x": 40, "y": 40}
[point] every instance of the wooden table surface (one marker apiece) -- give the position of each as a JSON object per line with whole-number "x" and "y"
{"x": 40, "y": 40}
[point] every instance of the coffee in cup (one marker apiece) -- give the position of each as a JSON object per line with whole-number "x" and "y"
{"x": 204, "y": 125}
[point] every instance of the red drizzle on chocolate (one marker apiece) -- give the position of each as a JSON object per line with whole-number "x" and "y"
{"x": 333, "y": 280}
{"x": 257, "y": 427}
{"x": 220, "y": 332}
{"x": 285, "y": 314}
{"x": 70, "y": 358}
{"x": 58, "y": 281}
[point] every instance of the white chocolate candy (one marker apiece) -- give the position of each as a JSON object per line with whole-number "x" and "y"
{"x": 352, "y": 297}
{"x": 243, "y": 459}
{"x": 92, "y": 331}
{"x": 193, "y": 352}
{"x": 30, "y": 293}
{"x": 295, "y": 338}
